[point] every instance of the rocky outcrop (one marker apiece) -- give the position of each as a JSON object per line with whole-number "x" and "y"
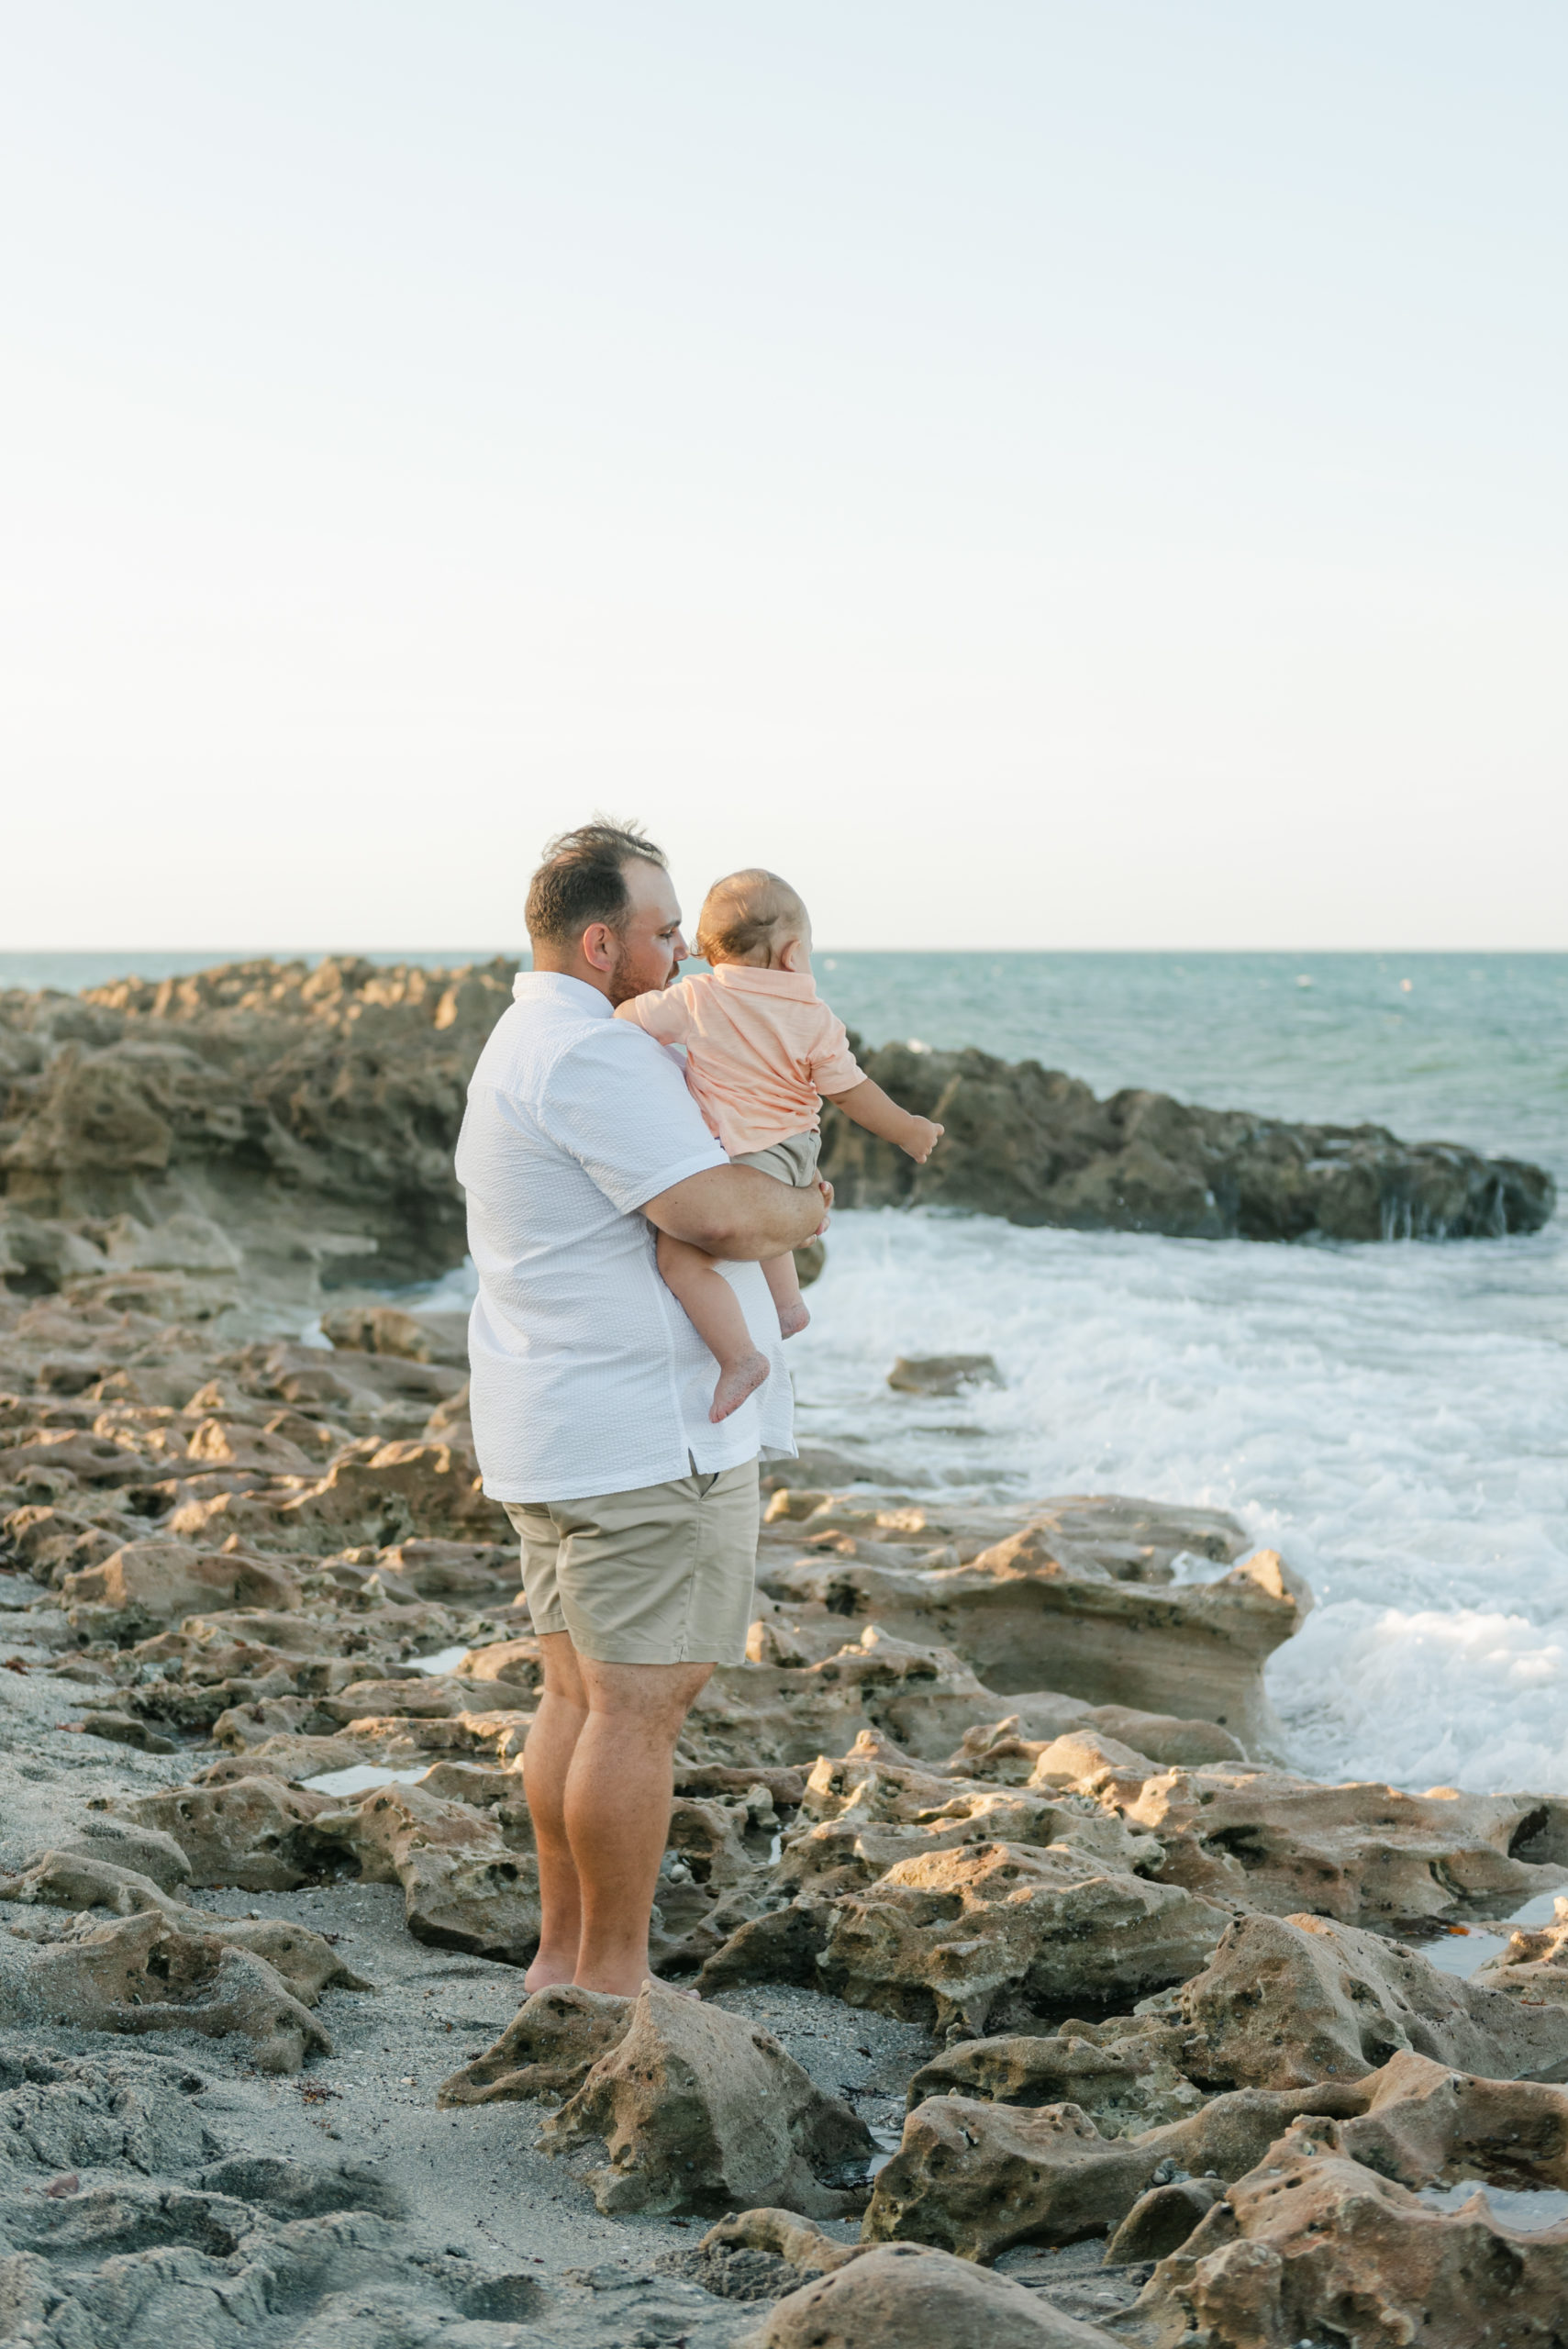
{"x": 1025, "y": 1620}
{"x": 900, "y": 2296}
{"x": 1319, "y": 2240}
{"x": 1037, "y": 1146}
{"x": 225, "y": 1568}
{"x": 144, "y": 1975}
{"x": 245, "y": 1138}
{"x": 700, "y": 2109}
{"x": 1127, "y": 2075}
{"x": 305, "y": 1962}
{"x": 300, "y": 1122}
{"x": 980, "y": 2177}
{"x": 547, "y": 2050}
{"x": 1288, "y": 2000}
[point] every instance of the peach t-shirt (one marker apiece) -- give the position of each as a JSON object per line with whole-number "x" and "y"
{"x": 761, "y": 1048}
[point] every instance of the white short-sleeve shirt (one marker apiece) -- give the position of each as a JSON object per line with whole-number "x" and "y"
{"x": 587, "y": 1376}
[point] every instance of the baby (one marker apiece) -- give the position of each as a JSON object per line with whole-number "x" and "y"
{"x": 762, "y": 1051}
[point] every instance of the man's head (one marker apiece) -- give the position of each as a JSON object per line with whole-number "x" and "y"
{"x": 754, "y": 916}
{"x": 602, "y": 909}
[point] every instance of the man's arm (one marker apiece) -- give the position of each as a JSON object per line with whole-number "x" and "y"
{"x": 877, "y": 1111}
{"x": 738, "y": 1214}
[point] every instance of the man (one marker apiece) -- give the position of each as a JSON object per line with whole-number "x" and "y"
{"x": 590, "y": 1388}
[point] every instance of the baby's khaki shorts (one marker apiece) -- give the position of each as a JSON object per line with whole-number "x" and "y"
{"x": 662, "y": 1574}
{"x": 792, "y": 1161}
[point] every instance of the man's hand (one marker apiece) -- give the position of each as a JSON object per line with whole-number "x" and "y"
{"x": 921, "y": 1138}
{"x": 826, "y": 1190}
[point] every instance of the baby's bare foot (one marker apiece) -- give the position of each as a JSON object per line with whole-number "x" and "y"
{"x": 793, "y": 1319}
{"x": 736, "y": 1381}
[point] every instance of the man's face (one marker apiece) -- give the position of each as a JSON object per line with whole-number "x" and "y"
{"x": 648, "y": 947}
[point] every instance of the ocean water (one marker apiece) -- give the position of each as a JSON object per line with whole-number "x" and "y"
{"x": 1393, "y": 1419}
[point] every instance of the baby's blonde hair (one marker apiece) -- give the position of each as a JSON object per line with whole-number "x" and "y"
{"x": 749, "y": 917}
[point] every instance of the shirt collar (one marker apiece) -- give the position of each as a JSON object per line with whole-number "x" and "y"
{"x": 557, "y": 986}
{"x": 798, "y": 986}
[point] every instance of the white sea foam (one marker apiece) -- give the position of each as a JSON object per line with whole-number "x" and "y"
{"x": 1390, "y": 1418}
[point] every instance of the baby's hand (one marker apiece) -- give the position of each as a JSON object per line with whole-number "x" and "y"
{"x": 923, "y": 1138}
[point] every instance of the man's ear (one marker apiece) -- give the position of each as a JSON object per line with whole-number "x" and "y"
{"x": 599, "y": 946}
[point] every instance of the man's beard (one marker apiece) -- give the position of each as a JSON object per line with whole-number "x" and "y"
{"x": 623, "y": 986}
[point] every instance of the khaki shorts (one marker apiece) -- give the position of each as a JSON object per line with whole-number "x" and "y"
{"x": 662, "y": 1574}
{"x": 792, "y": 1161}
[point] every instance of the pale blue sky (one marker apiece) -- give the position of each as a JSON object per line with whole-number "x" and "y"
{"x": 1045, "y": 475}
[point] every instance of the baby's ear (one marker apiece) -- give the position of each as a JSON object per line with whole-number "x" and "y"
{"x": 794, "y": 954}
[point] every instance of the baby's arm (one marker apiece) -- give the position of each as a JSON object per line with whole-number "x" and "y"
{"x": 664, "y": 1013}
{"x": 870, "y": 1107}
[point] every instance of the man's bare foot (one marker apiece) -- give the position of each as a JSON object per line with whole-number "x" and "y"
{"x": 629, "y": 1982}
{"x": 793, "y": 1319}
{"x": 548, "y": 1973}
{"x": 736, "y": 1381}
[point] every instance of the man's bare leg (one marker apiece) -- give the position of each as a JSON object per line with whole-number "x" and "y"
{"x": 552, "y": 1740}
{"x": 714, "y": 1311}
{"x": 618, "y": 1790}
{"x": 784, "y": 1288}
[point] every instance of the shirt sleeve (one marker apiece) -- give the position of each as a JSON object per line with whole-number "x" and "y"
{"x": 618, "y": 1105}
{"x": 664, "y": 1014}
{"x": 833, "y": 1066}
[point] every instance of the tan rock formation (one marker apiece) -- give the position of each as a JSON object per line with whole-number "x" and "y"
{"x": 1288, "y": 2000}
{"x": 465, "y": 1887}
{"x": 1127, "y": 2075}
{"x": 1025, "y": 1622}
{"x": 699, "y": 2109}
{"x": 254, "y": 1833}
{"x": 547, "y": 2050}
{"x": 305, "y": 1962}
{"x": 901, "y": 2296}
{"x": 143, "y": 1974}
{"x": 954, "y": 1937}
{"x": 1362, "y": 1854}
{"x": 1313, "y": 2244}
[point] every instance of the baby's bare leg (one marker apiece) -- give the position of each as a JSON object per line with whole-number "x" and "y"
{"x": 714, "y": 1311}
{"x": 783, "y": 1285}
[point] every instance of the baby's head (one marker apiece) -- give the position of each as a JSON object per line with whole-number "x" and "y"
{"x": 753, "y": 917}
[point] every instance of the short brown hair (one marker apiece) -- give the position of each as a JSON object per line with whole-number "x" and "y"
{"x": 582, "y": 879}
{"x": 744, "y": 914}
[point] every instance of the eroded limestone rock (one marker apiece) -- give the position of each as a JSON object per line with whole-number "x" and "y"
{"x": 306, "y": 1960}
{"x": 1024, "y": 1621}
{"x": 1534, "y": 1967}
{"x": 1127, "y": 2075}
{"x": 464, "y": 1886}
{"x": 980, "y": 2177}
{"x": 1037, "y": 1146}
{"x": 548, "y": 2049}
{"x": 1312, "y": 2244}
{"x": 254, "y": 1833}
{"x": 146, "y": 1585}
{"x": 701, "y": 2110}
{"x": 143, "y": 1974}
{"x": 903, "y": 2296}
{"x": 1006, "y": 1929}
{"x": 1362, "y": 1854}
{"x": 1289, "y": 2000}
